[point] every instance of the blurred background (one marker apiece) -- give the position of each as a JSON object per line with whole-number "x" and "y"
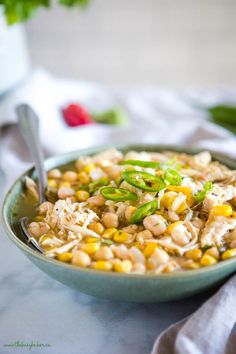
{"x": 159, "y": 42}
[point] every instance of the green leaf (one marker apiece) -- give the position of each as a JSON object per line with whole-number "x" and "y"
{"x": 21, "y": 10}
{"x": 115, "y": 116}
{"x": 72, "y": 3}
{"x": 223, "y": 114}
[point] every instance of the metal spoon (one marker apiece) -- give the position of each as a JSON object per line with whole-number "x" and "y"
{"x": 28, "y": 123}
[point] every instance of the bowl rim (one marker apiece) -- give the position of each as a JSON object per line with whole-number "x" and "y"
{"x": 53, "y": 160}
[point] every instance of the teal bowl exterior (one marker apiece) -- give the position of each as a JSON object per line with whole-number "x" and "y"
{"x": 116, "y": 286}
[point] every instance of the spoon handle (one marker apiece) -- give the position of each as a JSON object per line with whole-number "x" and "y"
{"x": 29, "y": 127}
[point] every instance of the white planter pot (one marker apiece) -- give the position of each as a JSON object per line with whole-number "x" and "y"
{"x": 14, "y": 59}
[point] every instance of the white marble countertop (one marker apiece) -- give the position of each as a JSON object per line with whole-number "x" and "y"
{"x": 34, "y": 307}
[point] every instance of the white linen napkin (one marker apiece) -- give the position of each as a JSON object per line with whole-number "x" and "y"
{"x": 210, "y": 330}
{"x": 156, "y": 116}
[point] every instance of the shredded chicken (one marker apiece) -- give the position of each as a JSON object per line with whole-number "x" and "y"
{"x": 216, "y": 229}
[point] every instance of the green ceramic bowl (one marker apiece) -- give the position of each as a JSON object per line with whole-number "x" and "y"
{"x": 115, "y": 286}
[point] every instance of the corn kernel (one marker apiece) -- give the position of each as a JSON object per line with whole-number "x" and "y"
{"x": 185, "y": 190}
{"x": 120, "y": 236}
{"x": 108, "y": 233}
{"x": 83, "y": 177}
{"x": 183, "y": 206}
{"x": 192, "y": 265}
{"x": 178, "y": 189}
{"x": 64, "y": 257}
{"x": 89, "y": 168}
{"x": 90, "y": 248}
{"x": 123, "y": 266}
{"x": 149, "y": 249}
{"x": 172, "y": 226}
{"x": 92, "y": 239}
{"x": 207, "y": 260}
{"x": 52, "y": 183}
{"x": 82, "y": 196}
{"x": 97, "y": 227}
{"x": 229, "y": 254}
{"x": 45, "y": 237}
{"x": 140, "y": 246}
{"x": 64, "y": 184}
{"x": 195, "y": 255}
{"x": 102, "y": 265}
{"x": 168, "y": 199}
{"x": 221, "y": 210}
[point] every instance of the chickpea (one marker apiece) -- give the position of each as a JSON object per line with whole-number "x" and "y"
{"x": 96, "y": 200}
{"x": 44, "y": 207}
{"x": 113, "y": 171}
{"x": 138, "y": 268}
{"x": 172, "y": 215}
{"x": 158, "y": 257}
{"x": 170, "y": 267}
{"x": 180, "y": 234}
{"x": 180, "y": 239}
{"x": 70, "y": 176}
{"x": 156, "y": 224}
{"x": 143, "y": 235}
{"x": 37, "y": 229}
{"x": 110, "y": 220}
{"x": 120, "y": 251}
{"x": 81, "y": 259}
{"x": 104, "y": 253}
{"x": 232, "y": 244}
{"x": 135, "y": 255}
{"x": 213, "y": 251}
{"x": 64, "y": 192}
{"x": 54, "y": 174}
{"x": 80, "y": 165}
{"x": 131, "y": 229}
{"x": 129, "y": 211}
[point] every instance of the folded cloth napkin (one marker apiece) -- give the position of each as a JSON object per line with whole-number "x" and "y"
{"x": 210, "y": 330}
{"x": 156, "y": 116}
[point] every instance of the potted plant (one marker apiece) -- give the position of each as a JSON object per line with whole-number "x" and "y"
{"x": 14, "y": 58}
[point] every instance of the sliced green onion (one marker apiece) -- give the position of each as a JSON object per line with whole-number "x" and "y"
{"x": 172, "y": 177}
{"x": 107, "y": 241}
{"x": 84, "y": 187}
{"x": 201, "y": 195}
{"x": 143, "y": 180}
{"x": 143, "y": 211}
{"x": 118, "y": 194}
{"x": 148, "y": 164}
{"x": 205, "y": 248}
{"x": 98, "y": 184}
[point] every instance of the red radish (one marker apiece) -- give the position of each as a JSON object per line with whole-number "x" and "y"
{"x": 75, "y": 115}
